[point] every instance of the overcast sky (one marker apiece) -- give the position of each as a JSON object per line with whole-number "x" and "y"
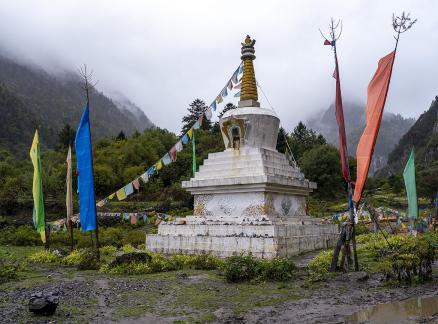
{"x": 163, "y": 54}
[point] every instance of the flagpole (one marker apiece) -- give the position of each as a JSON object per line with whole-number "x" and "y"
{"x": 87, "y": 86}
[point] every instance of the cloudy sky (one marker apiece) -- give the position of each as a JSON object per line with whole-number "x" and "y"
{"x": 163, "y": 54}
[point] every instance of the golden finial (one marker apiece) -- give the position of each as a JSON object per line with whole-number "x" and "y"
{"x": 248, "y": 94}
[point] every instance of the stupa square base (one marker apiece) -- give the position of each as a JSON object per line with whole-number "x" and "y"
{"x": 224, "y": 240}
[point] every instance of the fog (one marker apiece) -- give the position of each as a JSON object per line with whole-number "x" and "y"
{"x": 164, "y": 54}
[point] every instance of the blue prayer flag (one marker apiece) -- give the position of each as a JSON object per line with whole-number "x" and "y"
{"x": 240, "y": 68}
{"x": 185, "y": 139}
{"x": 151, "y": 171}
{"x": 237, "y": 94}
{"x": 224, "y": 92}
{"x": 129, "y": 189}
{"x": 213, "y": 105}
{"x": 84, "y": 158}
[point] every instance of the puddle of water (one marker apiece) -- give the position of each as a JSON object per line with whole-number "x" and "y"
{"x": 407, "y": 311}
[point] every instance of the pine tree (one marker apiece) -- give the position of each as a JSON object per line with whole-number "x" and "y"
{"x": 121, "y": 136}
{"x": 66, "y": 136}
{"x": 196, "y": 109}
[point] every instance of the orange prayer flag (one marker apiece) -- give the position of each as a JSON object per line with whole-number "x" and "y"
{"x": 377, "y": 92}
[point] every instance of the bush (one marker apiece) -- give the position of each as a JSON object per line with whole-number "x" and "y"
{"x": 88, "y": 260}
{"x": 9, "y": 267}
{"x": 277, "y": 269}
{"x": 131, "y": 257}
{"x": 134, "y": 238}
{"x": 44, "y": 256}
{"x": 240, "y": 268}
{"x": 108, "y": 250}
{"x": 24, "y": 235}
{"x": 319, "y": 267}
{"x": 73, "y": 259}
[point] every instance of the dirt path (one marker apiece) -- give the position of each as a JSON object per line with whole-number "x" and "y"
{"x": 103, "y": 311}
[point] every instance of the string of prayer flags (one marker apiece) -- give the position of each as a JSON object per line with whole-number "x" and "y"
{"x": 235, "y": 74}
{"x": 110, "y": 197}
{"x": 121, "y": 195}
{"x": 136, "y": 184}
{"x": 102, "y": 202}
{"x": 166, "y": 159}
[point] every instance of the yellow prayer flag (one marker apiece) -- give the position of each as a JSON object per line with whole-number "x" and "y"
{"x": 121, "y": 194}
{"x": 110, "y": 197}
{"x": 159, "y": 165}
{"x": 190, "y": 133}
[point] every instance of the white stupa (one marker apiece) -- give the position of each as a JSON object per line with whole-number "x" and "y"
{"x": 248, "y": 199}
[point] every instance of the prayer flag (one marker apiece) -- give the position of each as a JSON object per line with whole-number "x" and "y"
{"x": 136, "y": 184}
{"x": 159, "y": 165}
{"x": 377, "y": 92}
{"x": 410, "y": 184}
{"x": 121, "y": 194}
{"x": 178, "y": 146}
{"x": 172, "y": 153}
{"x": 193, "y": 154}
{"x": 151, "y": 171}
{"x": 237, "y": 94}
{"x": 230, "y": 85}
{"x": 213, "y": 105}
{"x": 219, "y": 99}
{"x": 110, "y": 197}
{"x": 327, "y": 42}
{"x": 201, "y": 120}
{"x": 185, "y": 139}
{"x": 234, "y": 77}
{"x": 129, "y": 189}
{"x": 208, "y": 113}
{"x": 133, "y": 219}
{"x": 69, "y": 194}
{"x": 37, "y": 188}
{"x": 145, "y": 177}
{"x": 339, "y": 112}
{"x": 224, "y": 92}
{"x": 238, "y": 86}
{"x": 240, "y": 68}
{"x": 166, "y": 159}
{"x": 196, "y": 125}
{"x": 87, "y": 203}
{"x": 102, "y": 202}
{"x": 190, "y": 133}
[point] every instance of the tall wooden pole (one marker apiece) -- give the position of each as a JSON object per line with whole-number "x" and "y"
{"x": 87, "y": 86}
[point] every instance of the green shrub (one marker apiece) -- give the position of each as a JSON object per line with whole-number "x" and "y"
{"x": 128, "y": 248}
{"x": 73, "y": 259}
{"x": 240, "y": 268}
{"x": 9, "y": 267}
{"x": 24, "y": 235}
{"x": 108, "y": 250}
{"x": 319, "y": 267}
{"x": 134, "y": 238}
{"x": 277, "y": 269}
{"x": 131, "y": 257}
{"x": 88, "y": 260}
{"x": 44, "y": 256}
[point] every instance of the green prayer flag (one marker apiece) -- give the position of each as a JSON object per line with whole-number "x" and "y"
{"x": 411, "y": 188}
{"x": 37, "y": 188}
{"x": 194, "y": 153}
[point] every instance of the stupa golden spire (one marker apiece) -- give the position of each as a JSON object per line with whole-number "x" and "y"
{"x": 248, "y": 93}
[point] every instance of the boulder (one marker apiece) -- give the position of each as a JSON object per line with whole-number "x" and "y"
{"x": 43, "y": 303}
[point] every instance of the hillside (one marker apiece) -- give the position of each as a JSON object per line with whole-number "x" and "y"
{"x": 30, "y": 98}
{"x": 393, "y": 127}
{"x": 423, "y": 135}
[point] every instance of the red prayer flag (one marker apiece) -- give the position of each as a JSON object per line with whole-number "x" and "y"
{"x": 136, "y": 184}
{"x": 377, "y": 93}
{"x": 327, "y": 42}
{"x": 172, "y": 153}
{"x": 341, "y": 125}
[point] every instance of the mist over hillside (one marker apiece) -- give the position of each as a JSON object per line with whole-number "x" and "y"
{"x": 31, "y": 98}
{"x": 393, "y": 127}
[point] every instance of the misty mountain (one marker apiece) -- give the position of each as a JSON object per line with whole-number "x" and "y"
{"x": 30, "y": 98}
{"x": 393, "y": 127}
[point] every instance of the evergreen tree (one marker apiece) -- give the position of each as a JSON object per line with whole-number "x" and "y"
{"x": 66, "y": 136}
{"x": 304, "y": 139}
{"x": 121, "y": 136}
{"x": 196, "y": 109}
{"x": 281, "y": 140}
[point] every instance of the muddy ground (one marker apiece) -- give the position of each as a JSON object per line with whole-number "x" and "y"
{"x": 199, "y": 296}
